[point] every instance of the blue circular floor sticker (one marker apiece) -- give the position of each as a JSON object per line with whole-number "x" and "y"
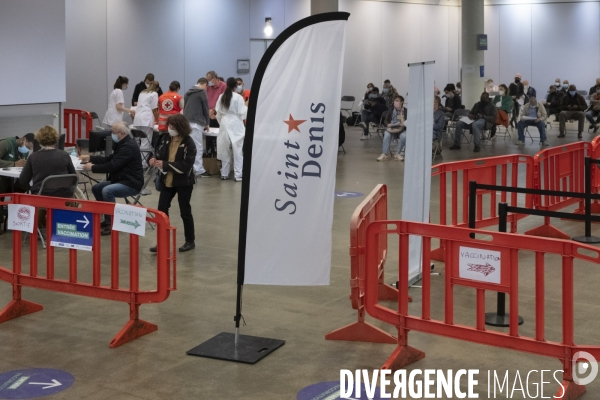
{"x": 347, "y": 195}
{"x": 33, "y": 383}
{"x": 331, "y": 391}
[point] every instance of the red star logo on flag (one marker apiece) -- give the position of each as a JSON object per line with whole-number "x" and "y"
{"x": 294, "y": 123}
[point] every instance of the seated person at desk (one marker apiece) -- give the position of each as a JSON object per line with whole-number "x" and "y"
{"x": 483, "y": 115}
{"x": 13, "y": 153}
{"x": 124, "y": 167}
{"x": 532, "y": 113}
{"x": 46, "y": 162}
{"x": 453, "y": 102}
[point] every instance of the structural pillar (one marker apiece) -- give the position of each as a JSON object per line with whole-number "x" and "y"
{"x": 471, "y": 58}
{"x": 323, "y": 6}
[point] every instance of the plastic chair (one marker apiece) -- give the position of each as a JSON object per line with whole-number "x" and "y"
{"x": 61, "y": 142}
{"x": 345, "y": 107}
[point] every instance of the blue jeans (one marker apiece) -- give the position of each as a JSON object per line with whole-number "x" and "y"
{"x": 476, "y": 127}
{"x": 590, "y": 116}
{"x": 387, "y": 139}
{"x": 106, "y": 191}
{"x": 541, "y": 125}
{"x": 367, "y": 117}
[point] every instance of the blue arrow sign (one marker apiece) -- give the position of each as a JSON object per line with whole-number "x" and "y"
{"x": 72, "y": 230}
{"x": 33, "y": 383}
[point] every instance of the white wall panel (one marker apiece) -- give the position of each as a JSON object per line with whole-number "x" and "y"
{"x": 566, "y": 44}
{"x": 295, "y": 10}
{"x": 145, "y": 36}
{"x": 453, "y": 44}
{"x": 402, "y": 42}
{"x": 434, "y": 44}
{"x": 362, "y": 59}
{"x": 216, "y": 43}
{"x": 515, "y": 42}
{"x": 87, "y": 83}
{"x": 492, "y": 54}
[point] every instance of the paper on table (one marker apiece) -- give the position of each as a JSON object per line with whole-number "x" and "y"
{"x": 529, "y": 118}
{"x": 466, "y": 120}
{"x": 76, "y": 162}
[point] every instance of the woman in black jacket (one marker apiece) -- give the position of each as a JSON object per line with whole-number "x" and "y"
{"x": 174, "y": 157}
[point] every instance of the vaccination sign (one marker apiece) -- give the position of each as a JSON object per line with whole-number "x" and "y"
{"x": 72, "y": 230}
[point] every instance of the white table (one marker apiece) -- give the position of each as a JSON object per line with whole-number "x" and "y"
{"x": 12, "y": 172}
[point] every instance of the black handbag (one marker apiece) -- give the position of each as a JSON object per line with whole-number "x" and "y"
{"x": 158, "y": 182}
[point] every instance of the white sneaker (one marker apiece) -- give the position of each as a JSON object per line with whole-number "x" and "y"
{"x": 363, "y": 125}
{"x": 398, "y": 157}
{"x": 364, "y": 137}
{"x": 544, "y": 143}
{"x": 382, "y": 157}
{"x": 520, "y": 142}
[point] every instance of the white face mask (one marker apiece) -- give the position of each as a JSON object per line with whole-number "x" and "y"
{"x": 239, "y": 88}
{"x": 210, "y": 83}
{"x": 147, "y": 85}
{"x": 501, "y": 92}
{"x": 173, "y": 132}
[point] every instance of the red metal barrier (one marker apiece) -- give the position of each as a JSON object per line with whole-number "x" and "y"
{"x": 559, "y": 168}
{"x": 165, "y": 257}
{"x": 373, "y": 208}
{"x": 511, "y": 170}
{"x": 78, "y": 124}
{"x": 503, "y": 276}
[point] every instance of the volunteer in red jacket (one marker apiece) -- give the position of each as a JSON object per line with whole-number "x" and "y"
{"x": 169, "y": 103}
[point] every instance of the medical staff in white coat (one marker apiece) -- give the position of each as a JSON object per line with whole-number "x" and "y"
{"x": 231, "y": 112}
{"x": 115, "y": 110}
{"x": 146, "y": 112}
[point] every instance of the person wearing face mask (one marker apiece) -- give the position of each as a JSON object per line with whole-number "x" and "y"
{"x": 490, "y": 87}
{"x": 557, "y": 83}
{"x": 146, "y": 113}
{"x": 594, "y": 89}
{"x": 505, "y": 104}
{"x": 529, "y": 91}
{"x": 170, "y": 103}
{"x": 516, "y": 91}
{"x": 174, "y": 157}
{"x": 123, "y": 166}
{"x": 115, "y": 110}
{"x": 484, "y": 115}
{"x": 389, "y": 94}
{"x": 572, "y": 106}
{"x": 453, "y": 102}
{"x": 231, "y": 112}
{"x": 395, "y": 119}
{"x": 195, "y": 110}
{"x": 241, "y": 91}
{"x": 370, "y": 87}
{"x": 565, "y": 87}
{"x": 594, "y": 110}
{"x": 143, "y": 85}
{"x": 14, "y": 152}
{"x": 532, "y": 114}
{"x": 373, "y": 109}
{"x": 552, "y": 103}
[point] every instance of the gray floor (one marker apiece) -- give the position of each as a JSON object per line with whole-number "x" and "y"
{"x": 72, "y": 333}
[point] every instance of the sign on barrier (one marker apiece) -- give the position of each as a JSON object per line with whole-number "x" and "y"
{"x": 72, "y": 230}
{"x": 480, "y": 264}
{"x": 21, "y": 217}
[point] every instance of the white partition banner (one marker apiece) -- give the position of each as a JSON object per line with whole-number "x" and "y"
{"x": 417, "y": 166}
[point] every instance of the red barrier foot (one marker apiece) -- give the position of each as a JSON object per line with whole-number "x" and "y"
{"x": 133, "y": 329}
{"x": 595, "y": 209}
{"x": 361, "y": 332}
{"x": 18, "y": 308}
{"x": 438, "y": 254}
{"x": 548, "y": 231}
{"x": 571, "y": 391}
{"x": 403, "y": 356}
{"x": 387, "y": 292}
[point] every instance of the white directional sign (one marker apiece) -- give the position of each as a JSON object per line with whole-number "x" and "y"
{"x": 479, "y": 264}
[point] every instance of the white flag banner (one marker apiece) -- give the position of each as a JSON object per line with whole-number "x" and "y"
{"x": 130, "y": 219}
{"x": 417, "y": 166}
{"x": 21, "y": 217}
{"x": 290, "y": 156}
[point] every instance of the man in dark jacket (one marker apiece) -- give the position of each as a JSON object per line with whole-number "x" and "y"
{"x": 124, "y": 166}
{"x": 373, "y": 109}
{"x": 529, "y": 91}
{"x": 484, "y": 115}
{"x": 453, "y": 102}
{"x": 572, "y": 106}
{"x": 143, "y": 85}
{"x": 594, "y": 89}
{"x": 516, "y": 90}
{"x": 552, "y": 104}
{"x": 195, "y": 110}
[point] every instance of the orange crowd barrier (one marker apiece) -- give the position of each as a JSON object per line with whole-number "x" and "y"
{"x": 510, "y": 170}
{"x": 559, "y": 168}
{"x": 499, "y": 273}
{"x": 112, "y": 289}
{"x": 373, "y": 208}
{"x": 77, "y": 124}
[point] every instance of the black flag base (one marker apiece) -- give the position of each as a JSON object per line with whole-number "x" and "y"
{"x": 249, "y": 350}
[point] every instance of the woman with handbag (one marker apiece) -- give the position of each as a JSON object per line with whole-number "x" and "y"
{"x": 174, "y": 158}
{"x": 395, "y": 128}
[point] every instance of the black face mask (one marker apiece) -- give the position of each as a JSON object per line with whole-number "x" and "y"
{"x": 517, "y": 80}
